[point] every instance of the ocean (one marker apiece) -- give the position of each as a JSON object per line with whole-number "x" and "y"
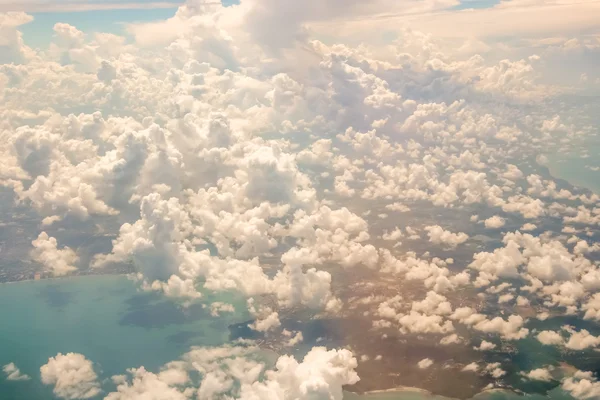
{"x": 578, "y": 164}
{"x": 104, "y": 318}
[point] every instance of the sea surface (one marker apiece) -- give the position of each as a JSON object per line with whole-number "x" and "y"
{"x": 109, "y": 321}
{"x": 579, "y": 164}
{"x": 104, "y": 318}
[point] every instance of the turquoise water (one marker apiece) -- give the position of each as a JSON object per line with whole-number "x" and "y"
{"x": 577, "y": 165}
{"x": 103, "y": 318}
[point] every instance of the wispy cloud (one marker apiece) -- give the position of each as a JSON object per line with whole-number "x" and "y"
{"x": 82, "y": 5}
{"x": 514, "y": 18}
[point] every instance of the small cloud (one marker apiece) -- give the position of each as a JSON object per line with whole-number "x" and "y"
{"x": 14, "y": 374}
{"x": 425, "y": 363}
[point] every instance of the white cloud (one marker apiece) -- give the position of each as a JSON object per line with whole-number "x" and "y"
{"x": 266, "y": 324}
{"x": 14, "y": 374}
{"x": 438, "y": 235}
{"x": 494, "y": 222}
{"x": 494, "y": 370}
{"x": 450, "y": 339}
{"x": 145, "y": 383}
{"x": 505, "y": 298}
{"x": 485, "y": 346}
{"x": 582, "y": 385}
{"x": 551, "y": 14}
{"x": 582, "y": 340}
{"x": 295, "y": 339}
{"x": 592, "y": 307}
{"x": 522, "y": 301}
{"x": 539, "y": 374}
{"x": 472, "y": 367}
{"x": 72, "y": 376}
{"x": 218, "y": 307}
{"x": 509, "y": 329}
{"x": 56, "y": 261}
{"x": 12, "y": 46}
{"x": 425, "y": 363}
{"x": 233, "y": 372}
{"x": 393, "y": 235}
{"x": 550, "y": 338}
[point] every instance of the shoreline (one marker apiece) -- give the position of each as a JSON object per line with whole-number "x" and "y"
{"x": 58, "y": 278}
{"x": 409, "y": 389}
{"x": 400, "y": 389}
{"x": 555, "y": 174}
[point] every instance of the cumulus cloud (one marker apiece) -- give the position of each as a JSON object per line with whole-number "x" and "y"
{"x": 56, "y": 261}
{"x": 581, "y": 340}
{"x": 438, "y": 235}
{"x": 539, "y": 374}
{"x": 218, "y": 307}
{"x": 472, "y": 367}
{"x": 582, "y": 385}
{"x": 485, "y": 345}
{"x": 510, "y": 329}
{"x": 450, "y": 339}
{"x": 266, "y": 319}
{"x": 12, "y": 46}
{"x": 320, "y": 374}
{"x": 233, "y": 372}
{"x": 146, "y": 383}
{"x": 555, "y": 274}
{"x": 550, "y": 338}
{"x": 494, "y": 222}
{"x": 72, "y": 376}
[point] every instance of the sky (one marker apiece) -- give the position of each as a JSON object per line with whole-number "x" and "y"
{"x": 89, "y": 16}
{"x": 112, "y": 16}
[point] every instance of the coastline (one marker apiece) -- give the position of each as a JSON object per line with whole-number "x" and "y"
{"x": 407, "y": 390}
{"x": 556, "y": 173}
{"x": 401, "y": 389}
{"x": 57, "y": 278}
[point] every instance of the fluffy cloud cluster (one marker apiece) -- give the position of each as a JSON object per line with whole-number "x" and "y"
{"x": 540, "y": 374}
{"x": 578, "y": 340}
{"x": 56, "y": 261}
{"x": 555, "y": 274}
{"x": 438, "y": 235}
{"x": 425, "y": 316}
{"x": 233, "y": 372}
{"x": 494, "y": 222}
{"x": 582, "y": 385}
{"x": 509, "y": 329}
{"x": 72, "y": 376}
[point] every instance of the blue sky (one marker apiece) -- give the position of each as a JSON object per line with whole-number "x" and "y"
{"x": 38, "y": 34}
{"x": 476, "y": 4}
